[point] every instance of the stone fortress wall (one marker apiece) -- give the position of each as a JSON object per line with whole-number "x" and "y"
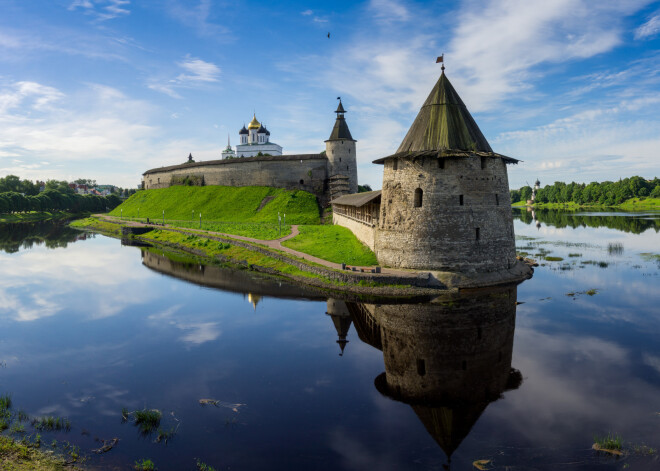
{"x": 461, "y": 221}
{"x": 306, "y": 172}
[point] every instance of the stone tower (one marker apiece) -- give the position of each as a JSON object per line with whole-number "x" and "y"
{"x": 342, "y": 161}
{"x": 445, "y": 198}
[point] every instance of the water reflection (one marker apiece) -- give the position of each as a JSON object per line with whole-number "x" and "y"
{"x": 226, "y": 278}
{"x": 25, "y": 235}
{"x": 636, "y": 223}
{"x": 448, "y": 359}
{"x": 125, "y": 336}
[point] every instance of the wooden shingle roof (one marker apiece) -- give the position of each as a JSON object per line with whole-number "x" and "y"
{"x": 357, "y": 199}
{"x": 444, "y": 128}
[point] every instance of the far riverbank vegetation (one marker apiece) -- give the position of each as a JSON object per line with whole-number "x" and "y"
{"x": 629, "y": 193}
{"x": 23, "y": 200}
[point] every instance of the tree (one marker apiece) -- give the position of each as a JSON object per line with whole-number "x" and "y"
{"x": 10, "y": 183}
{"x": 364, "y": 188}
{"x": 525, "y": 193}
{"x": 85, "y": 181}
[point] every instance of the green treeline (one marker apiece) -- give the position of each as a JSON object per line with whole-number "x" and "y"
{"x": 622, "y": 222}
{"x": 22, "y": 196}
{"x": 603, "y": 193}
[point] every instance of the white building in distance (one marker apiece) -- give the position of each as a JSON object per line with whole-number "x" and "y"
{"x": 254, "y": 141}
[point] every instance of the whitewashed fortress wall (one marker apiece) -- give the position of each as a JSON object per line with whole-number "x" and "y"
{"x": 364, "y": 232}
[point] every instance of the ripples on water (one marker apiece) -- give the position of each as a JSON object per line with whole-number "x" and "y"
{"x": 521, "y": 376}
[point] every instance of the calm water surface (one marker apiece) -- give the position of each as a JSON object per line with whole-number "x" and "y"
{"x": 523, "y": 376}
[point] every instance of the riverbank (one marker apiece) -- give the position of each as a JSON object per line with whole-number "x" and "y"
{"x": 27, "y": 456}
{"x": 633, "y": 204}
{"x": 273, "y": 258}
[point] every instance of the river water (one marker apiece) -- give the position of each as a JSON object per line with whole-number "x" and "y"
{"x": 523, "y": 377}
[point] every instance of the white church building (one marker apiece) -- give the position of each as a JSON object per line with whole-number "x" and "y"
{"x": 254, "y": 140}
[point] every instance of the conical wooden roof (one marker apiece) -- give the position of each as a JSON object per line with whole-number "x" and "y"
{"x": 444, "y": 123}
{"x": 444, "y": 128}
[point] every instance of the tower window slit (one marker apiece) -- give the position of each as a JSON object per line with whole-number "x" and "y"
{"x": 460, "y": 200}
{"x": 395, "y": 164}
{"x": 497, "y": 200}
{"x": 477, "y": 234}
{"x": 441, "y": 163}
{"x": 483, "y": 163}
{"x": 419, "y": 194}
{"x": 421, "y": 367}
{"x": 340, "y": 159}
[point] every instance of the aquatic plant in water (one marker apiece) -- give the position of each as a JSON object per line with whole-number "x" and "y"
{"x": 51, "y": 423}
{"x": 610, "y": 443}
{"x": 201, "y": 466}
{"x": 145, "y": 465}
{"x": 5, "y": 402}
{"x": 148, "y": 420}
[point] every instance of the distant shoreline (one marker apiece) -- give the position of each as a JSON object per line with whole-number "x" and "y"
{"x": 633, "y": 204}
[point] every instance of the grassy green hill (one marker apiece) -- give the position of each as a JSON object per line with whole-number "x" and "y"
{"x": 222, "y": 203}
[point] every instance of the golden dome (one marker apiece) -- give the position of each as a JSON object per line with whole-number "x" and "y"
{"x": 254, "y": 124}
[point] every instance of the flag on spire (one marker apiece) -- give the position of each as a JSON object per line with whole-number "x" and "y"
{"x": 440, "y": 59}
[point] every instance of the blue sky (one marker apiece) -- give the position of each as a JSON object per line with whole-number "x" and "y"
{"x": 105, "y": 89}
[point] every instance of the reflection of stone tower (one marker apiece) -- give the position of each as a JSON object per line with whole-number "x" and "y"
{"x": 342, "y": 161}
{"x": 448, "y": 361}
{"x": 341, "y": 318}
{"x": 445, "y": 198}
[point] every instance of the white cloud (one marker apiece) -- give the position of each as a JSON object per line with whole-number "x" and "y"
{"x": 649, "y": 29}
{"x": 20, "y": 92}
{"x": 307, "y": 12}
{"x": 102, "y": 10}
{"x": 198, "y": 71}
{"x": 497, "y": 46}
{"x": 198, "y": 18}
{"x": 575, "y": 147}
{"x": 98, "y": 130}
{"x": 388, "y": 11}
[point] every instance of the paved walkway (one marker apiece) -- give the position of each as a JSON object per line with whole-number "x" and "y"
{"x": 273, "y": 244}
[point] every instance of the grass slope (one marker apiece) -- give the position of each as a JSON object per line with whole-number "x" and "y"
{"x": 222, "y": 203}
{"x": 333, "y": 243}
